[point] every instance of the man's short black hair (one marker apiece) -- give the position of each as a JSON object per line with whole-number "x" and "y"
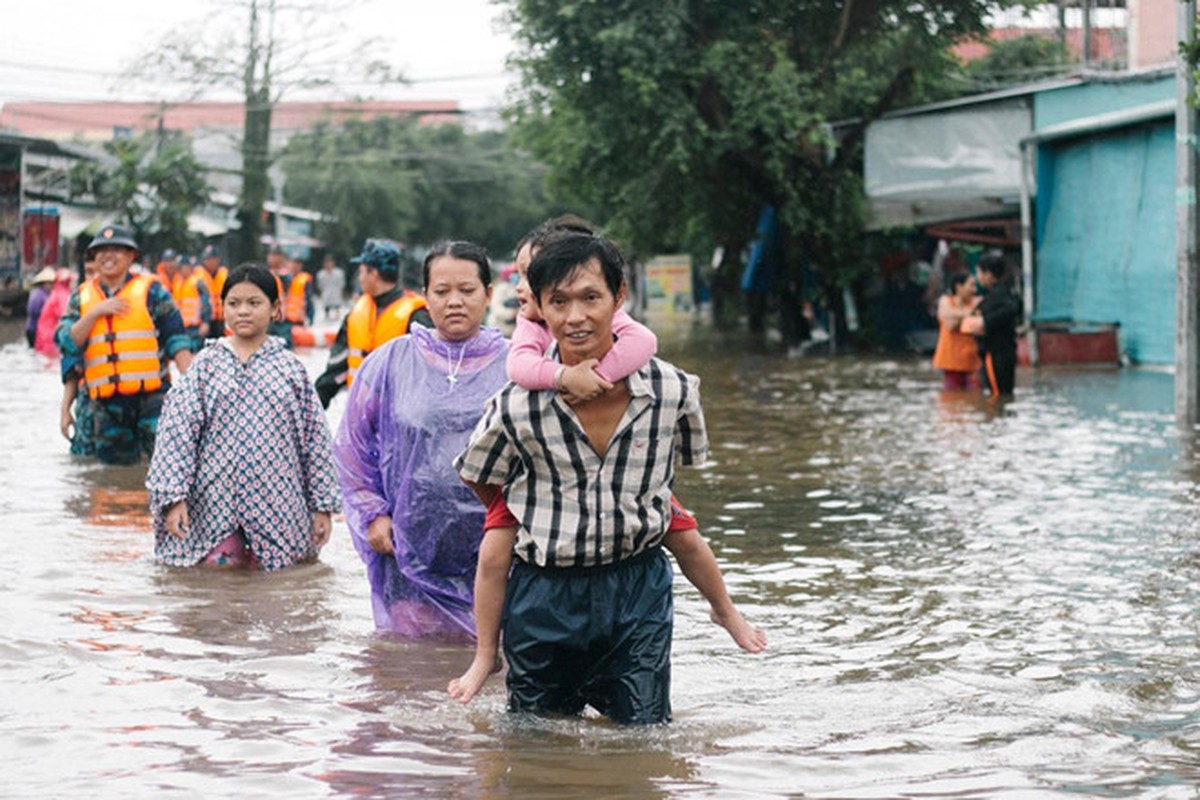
{"x": 994, "y": 263}
{"x": 563, "y": 253}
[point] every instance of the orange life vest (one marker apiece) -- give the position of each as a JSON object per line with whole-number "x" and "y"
{"x": 174, "y": 283}
{"x": 366, "y": 329}
{"x": 295, "y": 307}
{"x": 216, "y": 285}
{"x": 187, "y": 297}
{"x": 121, "y": 356}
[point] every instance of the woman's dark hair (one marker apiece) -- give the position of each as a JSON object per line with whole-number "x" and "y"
{"x": 563, "y": 253}
{"x": 957, "y": 279}
{"x": 256, "y": 273}
{"x": 467, "y": 251}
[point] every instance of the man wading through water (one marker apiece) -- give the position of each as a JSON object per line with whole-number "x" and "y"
{"x": 588, "y": 613}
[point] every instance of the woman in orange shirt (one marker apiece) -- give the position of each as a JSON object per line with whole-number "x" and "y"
{"x": 957, "y": 353}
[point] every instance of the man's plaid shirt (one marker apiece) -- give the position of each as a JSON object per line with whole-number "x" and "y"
{"x": 578, "y": 508}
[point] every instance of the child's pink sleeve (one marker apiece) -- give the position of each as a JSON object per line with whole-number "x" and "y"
{"x": 527, "y": 364}
{"x": 635, "y": 346}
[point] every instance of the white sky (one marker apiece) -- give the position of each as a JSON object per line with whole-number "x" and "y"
{"x": 72, "y": 50}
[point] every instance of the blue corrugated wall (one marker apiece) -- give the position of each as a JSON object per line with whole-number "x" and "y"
{"x": 1106, "y": 235}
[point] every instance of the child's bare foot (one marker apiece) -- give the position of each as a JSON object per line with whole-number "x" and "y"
{"x": 747, "y": 637}
{"x": 465, "y": 687}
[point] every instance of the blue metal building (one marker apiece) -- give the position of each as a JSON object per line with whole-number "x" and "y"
{"x": 1088, "y": 163}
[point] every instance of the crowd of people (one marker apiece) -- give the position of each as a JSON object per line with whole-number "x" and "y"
{"x": 514, "y": 494}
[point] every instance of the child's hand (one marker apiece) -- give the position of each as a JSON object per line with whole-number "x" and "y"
{"x": 581, "y": 382}
{"x": 322, "y": 524}
{"x": 177, "y": 520}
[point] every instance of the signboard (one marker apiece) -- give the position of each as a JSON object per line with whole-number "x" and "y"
{"x": 669, "y": 290}
{"x": 10, "y": 217}
{"x": 40, "y": 239}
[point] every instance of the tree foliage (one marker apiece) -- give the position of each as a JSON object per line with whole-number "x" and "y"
{"x": 1019, "y": 60}
{"x": 681, "y": 119}
{"x": 415, "y": 183}
{"x": 154, "y": 183}
{"x": 262, "y": 49}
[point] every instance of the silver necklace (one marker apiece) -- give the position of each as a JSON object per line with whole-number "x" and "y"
{"x": 452, "y": 369}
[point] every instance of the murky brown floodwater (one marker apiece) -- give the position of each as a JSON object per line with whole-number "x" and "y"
{"x": 961, "y": 602}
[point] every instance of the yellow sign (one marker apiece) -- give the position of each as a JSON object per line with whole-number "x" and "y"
{"x": 669, "y": 289}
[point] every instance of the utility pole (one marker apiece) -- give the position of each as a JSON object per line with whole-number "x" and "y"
{"x": 1086, "y": 44}
{"x": 1187, "y": 277}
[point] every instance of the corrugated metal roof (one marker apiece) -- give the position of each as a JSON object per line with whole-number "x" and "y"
{"x": 1102, "y": 122}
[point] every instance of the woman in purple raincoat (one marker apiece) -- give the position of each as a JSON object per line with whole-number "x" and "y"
{"x": 410, "y": 411}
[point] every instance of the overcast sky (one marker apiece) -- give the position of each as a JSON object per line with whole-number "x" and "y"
{"x": 70, "y": 50}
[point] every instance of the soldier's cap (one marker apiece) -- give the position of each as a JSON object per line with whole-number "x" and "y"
{"x": 169, "y": 254}
{"x": 209, "y": 251}
{"x": 114, "y": 235}
{"x": 383, "y": 255}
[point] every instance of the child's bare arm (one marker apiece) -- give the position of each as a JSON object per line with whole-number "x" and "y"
{"x": 526, "y": 364}
{"x": 635, "y": 345}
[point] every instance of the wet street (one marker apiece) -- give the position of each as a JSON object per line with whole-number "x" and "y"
{"x": 961, "y": 601}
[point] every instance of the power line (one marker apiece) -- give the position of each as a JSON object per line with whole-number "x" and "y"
{"x": 120, "y": 74}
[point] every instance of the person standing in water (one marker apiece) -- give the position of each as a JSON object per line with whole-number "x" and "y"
{"x": 529, "y": 367}
{"x": 242, "y": 473}
{"x": 588, "y": 612}
{"x": 411, "y": 409}
{"x": 123, "y": 329}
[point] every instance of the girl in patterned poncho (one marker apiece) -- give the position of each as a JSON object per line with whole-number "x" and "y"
{"x": 241, "y": 473}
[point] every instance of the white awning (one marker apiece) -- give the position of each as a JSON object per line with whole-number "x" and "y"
{"x": 206, "y": 226}
{"x": 73, "y": 221}
{"x": 951, "y": 164}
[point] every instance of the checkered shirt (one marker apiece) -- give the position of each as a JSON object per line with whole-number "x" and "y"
{"x": 578, "y": 508}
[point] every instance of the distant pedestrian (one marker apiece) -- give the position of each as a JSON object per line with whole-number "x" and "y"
{"x": 331, "y": 285}
{"x": 52, "y": 311}
{"x": 214, "y": 274}
{"x": 994, "y": 324}
{"x": 242, "y": 473}
{"x": 39, "y": 293}
{"x": 957, "y": 353}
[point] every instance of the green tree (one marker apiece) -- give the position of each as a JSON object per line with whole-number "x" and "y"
{"x": 264, "y": 50}
{"x": 1020, "y": 60}
{"x": 415, "y": 183}
{"x": 153, "y": 183}
{"x": 681, "y": 119}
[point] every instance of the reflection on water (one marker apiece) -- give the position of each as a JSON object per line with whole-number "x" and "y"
{"x": 963, "y": 599}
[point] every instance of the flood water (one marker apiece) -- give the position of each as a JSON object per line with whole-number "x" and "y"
{"x": 961, "y": 601}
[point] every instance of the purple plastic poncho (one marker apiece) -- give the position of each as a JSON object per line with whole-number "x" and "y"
{"x": 405, "y": 421}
